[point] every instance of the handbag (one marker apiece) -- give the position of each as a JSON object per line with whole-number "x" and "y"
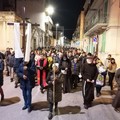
{"x": 100, "y": 80}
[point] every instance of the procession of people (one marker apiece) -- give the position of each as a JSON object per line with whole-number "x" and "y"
{"x": 57, "y": 72}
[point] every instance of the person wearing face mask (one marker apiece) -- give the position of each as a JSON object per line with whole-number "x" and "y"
{"x": 65, "y": 68}
{"x": 111, "y": 72}
{"x": 54, "y": 89}
{"x": 89, "y": 73}
{"x": 75, "y": 70}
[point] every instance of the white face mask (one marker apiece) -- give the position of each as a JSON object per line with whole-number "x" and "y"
{"x": 89, "y": 61}
{"x": 64, "y": 58}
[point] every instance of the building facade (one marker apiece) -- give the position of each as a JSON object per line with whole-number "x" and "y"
{"x": 32, "y": 10}
{"x": 35, "y": 11}
{"x": 6, "y": 31}
{"x": 102, "y": 28}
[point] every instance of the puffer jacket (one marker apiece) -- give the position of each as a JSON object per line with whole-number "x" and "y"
{"x": 58, "y": 87}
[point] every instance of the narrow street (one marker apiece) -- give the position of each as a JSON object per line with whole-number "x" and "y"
{"x": 71, "y": 107}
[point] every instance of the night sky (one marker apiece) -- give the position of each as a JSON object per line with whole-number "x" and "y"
{"x": 66, "y": 14}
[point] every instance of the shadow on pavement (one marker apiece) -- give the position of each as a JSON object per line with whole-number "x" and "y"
{"x": 9, "y": 101}
{"x": 108, "y": 92}
{"x": 69, "y": 110}
{"x": 40, "y": 106}
{"x": 102, "y": 101}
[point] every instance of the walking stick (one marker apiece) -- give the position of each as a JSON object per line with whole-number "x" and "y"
{"x": 54, "y": 87}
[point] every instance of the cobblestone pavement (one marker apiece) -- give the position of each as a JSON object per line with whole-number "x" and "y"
{"x": 70, "y": 108}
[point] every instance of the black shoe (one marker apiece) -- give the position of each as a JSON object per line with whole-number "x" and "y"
{"x": 50, "y": 116}
{"x": 11, "y": 79}
{"x": 85, "y": 106}
{"x": 42, "y": 91}
{"x": 24, "y": 108}
{"x": 16, "y": 86}
{"x": 98, "y": 95}
{"x": 56, "y": 111}
{"x": 29, "y": 109}
{"x": 2, "y": 98}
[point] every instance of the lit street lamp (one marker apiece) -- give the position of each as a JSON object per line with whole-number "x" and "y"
{"x": 50, "y": 10}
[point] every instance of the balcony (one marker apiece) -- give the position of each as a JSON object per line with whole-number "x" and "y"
{"x": 96, "y": 24}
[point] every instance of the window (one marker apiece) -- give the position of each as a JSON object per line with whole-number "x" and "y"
{"x": 103, "y": 42}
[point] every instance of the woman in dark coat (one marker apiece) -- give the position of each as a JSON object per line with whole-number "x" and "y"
{"x": 54, "y": 90}
{"x": 65, "y": 68}
{"x": 116, "y": 101}
{"x": 1, "y": 78}
{"x": 26, "y": 73}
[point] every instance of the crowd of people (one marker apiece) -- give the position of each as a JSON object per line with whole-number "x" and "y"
{"x": 59, "y": 71}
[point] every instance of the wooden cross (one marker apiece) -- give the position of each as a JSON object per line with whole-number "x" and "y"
{"x": 23, "y": 38}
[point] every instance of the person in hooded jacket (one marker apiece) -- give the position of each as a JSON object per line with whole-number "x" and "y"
{"x": 26, "y": 73}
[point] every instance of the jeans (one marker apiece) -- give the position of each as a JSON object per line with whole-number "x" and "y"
{"x": 27, "y": 95}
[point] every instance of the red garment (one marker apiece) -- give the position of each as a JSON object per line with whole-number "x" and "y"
{"x": 43, "y": 73}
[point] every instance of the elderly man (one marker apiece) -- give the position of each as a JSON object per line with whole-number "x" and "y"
{"x": 89, "y": 73}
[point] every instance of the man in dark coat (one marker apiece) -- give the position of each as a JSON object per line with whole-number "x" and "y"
{"x": 1, "y": 77}
{"x": 54, "y": 90}
{"x": 89, "y": 73}
{"x": 116, "y": 101}
{"x": 26, "y": 73}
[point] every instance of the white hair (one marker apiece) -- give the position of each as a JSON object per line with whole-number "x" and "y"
{"x": 55, "y": 64}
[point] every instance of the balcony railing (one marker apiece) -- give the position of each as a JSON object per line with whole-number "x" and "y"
{"x": 96, "y": 20}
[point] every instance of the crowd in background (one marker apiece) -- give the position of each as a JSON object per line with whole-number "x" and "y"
{"x": 60, "y": 71}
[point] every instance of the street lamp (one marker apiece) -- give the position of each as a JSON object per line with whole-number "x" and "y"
{"x": 50, "y": 10}
{"x": 57, "y": 25}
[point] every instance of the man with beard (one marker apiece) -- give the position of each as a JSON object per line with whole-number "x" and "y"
{"x": 89, "y": 73}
